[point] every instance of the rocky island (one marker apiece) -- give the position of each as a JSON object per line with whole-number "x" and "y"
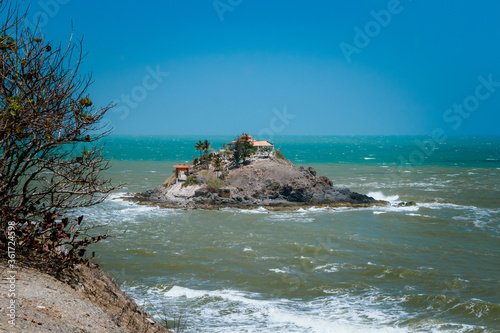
{"x": 248, "y": 174}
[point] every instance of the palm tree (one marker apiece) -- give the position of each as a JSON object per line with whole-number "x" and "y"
{"x": 199, "y": 146}
{"x": 206, "y": 147}
{"x": 217, "y": 163}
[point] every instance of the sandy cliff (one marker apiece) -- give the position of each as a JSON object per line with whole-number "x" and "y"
{"x": 44, "y": 304}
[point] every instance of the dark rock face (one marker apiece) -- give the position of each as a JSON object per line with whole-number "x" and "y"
{"x": 325, "y": 181}
{"x": 295, "y": 195}
{"x": 225, "y": 193}
{"x": 201, "y": 193}
{"x": 312, "y": 171}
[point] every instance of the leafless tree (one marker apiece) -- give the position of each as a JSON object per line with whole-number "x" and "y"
{"x": 50, "y": 154}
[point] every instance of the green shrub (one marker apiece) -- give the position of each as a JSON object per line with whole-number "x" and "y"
{"x": 266, "y": 149}
{"x": 279, "y": 155}
{"x": 190, "y": 180}
{"x": 214, "y": 184}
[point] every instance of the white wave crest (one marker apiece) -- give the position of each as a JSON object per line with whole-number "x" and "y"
{"x": 380, "y": 196}
{"x": 328, "y": 268}
{"x": 237, "y": 311}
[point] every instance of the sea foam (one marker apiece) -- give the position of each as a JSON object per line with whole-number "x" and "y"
{"x": 238, "y": 311}
{"x": 380, "y": 196}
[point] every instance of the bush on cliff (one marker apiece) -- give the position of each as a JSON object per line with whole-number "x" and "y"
{"x": 279, "y": 154}
{"x": 52, "y": 243}
{"x": 190, "y": 180}
{"x": 214, "y": 184}
{"x": 50, "y": 155}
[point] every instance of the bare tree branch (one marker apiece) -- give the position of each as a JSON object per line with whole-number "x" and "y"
{"x": 50, "y": 156}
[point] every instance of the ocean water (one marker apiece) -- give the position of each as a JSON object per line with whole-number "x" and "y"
{"x": 434, "y": 267}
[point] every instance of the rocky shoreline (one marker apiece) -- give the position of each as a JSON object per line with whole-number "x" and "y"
{"x": 274, "y": 184}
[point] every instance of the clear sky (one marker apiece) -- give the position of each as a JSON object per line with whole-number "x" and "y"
{"x": 286, "y": 67}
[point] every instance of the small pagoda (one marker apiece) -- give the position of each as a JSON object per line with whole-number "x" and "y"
{"x": 181, "y": 169}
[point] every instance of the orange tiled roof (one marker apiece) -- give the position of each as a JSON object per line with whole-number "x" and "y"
{"x": 178, "y": 166}
{"x": 261, "y": 144}
{"x": 255, "y": 142}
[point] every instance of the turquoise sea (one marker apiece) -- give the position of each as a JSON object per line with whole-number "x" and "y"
{"x": 434, "y": 267}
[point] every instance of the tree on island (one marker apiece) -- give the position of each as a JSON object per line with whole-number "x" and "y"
{"x": 218, "y": 163}
{"x": 206, "y": 147}
{"x": 51, "y": 159}
{"x": 199, "y": 146}
{"x": 242, "y": 148}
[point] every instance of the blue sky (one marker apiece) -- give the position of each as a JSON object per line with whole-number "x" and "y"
{"x": 288, "y": 67}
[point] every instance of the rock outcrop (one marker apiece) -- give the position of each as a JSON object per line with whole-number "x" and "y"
{"x": 274, "y": 184}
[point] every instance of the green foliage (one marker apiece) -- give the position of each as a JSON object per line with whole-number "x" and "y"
{"x": 242, "y": 148}
{"x": 86, "y": 102}
{"x": 279, "y": 155}
{"x": 7, "y": 43}
{"x": 190, "y": 180}
{"x": 205, "y": 176}
{"x": 217, "y": 161}
{"x": 199, "y": 146}
{"x": 266, "y": 149}
{"x": 214, "y": 184}
{"x": 204, "y": 146}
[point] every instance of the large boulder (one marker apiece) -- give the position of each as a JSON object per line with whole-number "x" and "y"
{"x": 225, "y": 192}
{"x": 202, "y": 192}
{"x": 312, "y": 171}
{"x": 324, "y": 180}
